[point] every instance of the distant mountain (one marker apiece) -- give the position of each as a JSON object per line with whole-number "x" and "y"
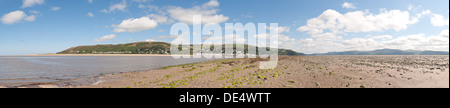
{"x": 387, "y": 52}
{"x": 142, "y": 48}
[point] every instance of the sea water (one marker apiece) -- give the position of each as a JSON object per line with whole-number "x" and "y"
{"x": 22, "y": 70}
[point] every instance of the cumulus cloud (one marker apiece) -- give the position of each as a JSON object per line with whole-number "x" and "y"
{"x": 30, "y": 3}
{"x": 16, "y": 16}
{"x": 444, "y": 33}
{"x": 207, "y": 10}
{"x": 105, "y": 38}
{"x": 116, "y": 7}
{"x": 326, "y": 32}
{"x": 359, "y": 21}
{"x": 439, "y": 20}
{"x": 418, "y": 42}
{"x": 136, "y": 25}
{"x": 348, "y": 5}
{"x": 160, "y": 18}
{"x": 408, "y": 42}
{"x": 30, "y": 18}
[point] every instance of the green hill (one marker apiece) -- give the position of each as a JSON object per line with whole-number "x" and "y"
{"x": 130, "y": 48}
{"x": 144, "y": 48}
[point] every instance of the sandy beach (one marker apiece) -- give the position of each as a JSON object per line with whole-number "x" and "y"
{"x": 293, "y": 72}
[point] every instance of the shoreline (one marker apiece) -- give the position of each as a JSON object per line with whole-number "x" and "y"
{"x": 98, "y": 55}
{"x": 292, "y": 72}
{"x": 85, "y": 81}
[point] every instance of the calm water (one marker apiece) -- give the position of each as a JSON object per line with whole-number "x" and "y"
{"x": 28, "y": 70}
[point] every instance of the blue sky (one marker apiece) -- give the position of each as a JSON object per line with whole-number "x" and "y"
{"x": 49, "y": 26}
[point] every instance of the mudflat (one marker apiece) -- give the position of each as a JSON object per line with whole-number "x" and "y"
{"x": 294, "y": 72}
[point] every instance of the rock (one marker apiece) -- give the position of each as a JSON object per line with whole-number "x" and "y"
{"x": 317, "y": 84}
{"x": 348, "y": 85}
{"x": 362, "y": 86}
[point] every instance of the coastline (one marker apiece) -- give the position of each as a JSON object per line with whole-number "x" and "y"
{"x": 98, "y": 55}
{"x": 292, "y": 72}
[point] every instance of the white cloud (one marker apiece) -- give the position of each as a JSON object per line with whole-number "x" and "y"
{"x": 135, "y": 25}
{"x": 90, "y": 14}
{"x": 150, "y": 40}
{"x": 408, "y": 42}
{"x": 418, "y": 42}
{"x": 56, "y": 8}
{"x": 382, "y": 37}
{"x": 30, "y": 18}
{"x": 159, "y": 18}
{"x": 444, "y": 33}
{"x": 116, "y": 7}
{"x": 105, "y": 38}
{"x": 348, "y": 5}
{"x": 30, "y": 3}
{"x": 424, "y": 12}
{"x": 439, "y": 20}
{"x": 358, "y": 21}
{"x": 16, "y": 16}
{"x": 207, "y": 10}
{"x": 281, "y": 29}
{"x": 90, "y": 1}
{"x": 34, "y": 12}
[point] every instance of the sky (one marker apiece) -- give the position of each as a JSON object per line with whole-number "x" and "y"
{"x": 307, "y": 26}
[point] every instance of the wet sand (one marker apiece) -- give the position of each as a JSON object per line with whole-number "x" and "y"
{"x": 293, "y": 72}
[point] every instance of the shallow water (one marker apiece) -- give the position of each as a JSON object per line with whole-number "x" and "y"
{"x": 16, "y": 71}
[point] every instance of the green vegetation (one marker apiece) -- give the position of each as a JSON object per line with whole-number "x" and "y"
{"x": 130, "y": 48}
{"x": 156, "y": 48}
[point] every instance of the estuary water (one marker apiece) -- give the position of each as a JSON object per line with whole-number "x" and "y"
{"x": 73, "y": 70}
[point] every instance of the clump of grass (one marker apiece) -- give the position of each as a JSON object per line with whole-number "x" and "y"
{"x": 275, "y": 75}
{"x": 291, "y": 81}
{"x": 167, "y": 76}
{"x": 331, "y": 74}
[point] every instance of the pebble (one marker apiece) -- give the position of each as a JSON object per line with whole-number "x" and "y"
{"x": 348, "y": 85}
{"x": 317, "y": 84}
